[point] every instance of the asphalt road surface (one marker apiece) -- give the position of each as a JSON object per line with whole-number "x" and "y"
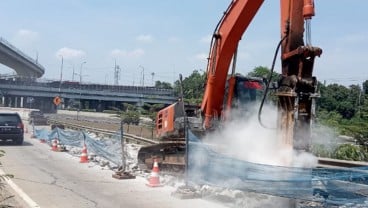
{"x": 57, "y": 179}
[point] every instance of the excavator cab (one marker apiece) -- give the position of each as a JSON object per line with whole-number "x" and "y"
{"x": 246, "y": 93}
{"x": 248, "y": 90}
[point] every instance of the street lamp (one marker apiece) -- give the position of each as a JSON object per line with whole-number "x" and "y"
{"x": 153, "y": 74}
{"x": 142, "y": 74}
{"x": 80, "y": 89}
{"x": 80, "y": 72}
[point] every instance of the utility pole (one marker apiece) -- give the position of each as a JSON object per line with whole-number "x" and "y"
{"x": 73, "y": 74}
{"x": 61, "y": 73}
{"x": 80, "y": 89}
{"x": 142, "y": 74}
{"x": 116, "y": 74}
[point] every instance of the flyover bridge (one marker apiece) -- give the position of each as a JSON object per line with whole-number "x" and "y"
{"x": 24, "y": 65}
{"x": 27, "y": 93}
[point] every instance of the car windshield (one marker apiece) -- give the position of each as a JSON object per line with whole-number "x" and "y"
{"x": 8, "y": 119}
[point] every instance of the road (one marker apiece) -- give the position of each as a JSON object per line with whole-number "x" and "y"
{"x": 57, "y": 179}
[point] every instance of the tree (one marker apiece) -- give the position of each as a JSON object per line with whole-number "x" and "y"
{"x": 365, "y": 87}
{"x": 193, "y": 87}
{"x": 163, "y": 85}
{"x": 264, "y": 72}
{"x": 152, "y": 109}
{"x": 339, "y": 98}
{"x": 130, "y": 114}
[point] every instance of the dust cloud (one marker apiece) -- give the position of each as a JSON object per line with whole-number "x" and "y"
{"x": 244, "y": 138}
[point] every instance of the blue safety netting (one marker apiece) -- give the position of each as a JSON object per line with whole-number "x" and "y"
{"x": 333, "y": 186}
{"x": 110, "y": 149}
{"x": 207, "y": 167}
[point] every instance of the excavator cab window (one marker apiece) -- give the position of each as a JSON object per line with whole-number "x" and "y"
{"x": 247, "y": 92}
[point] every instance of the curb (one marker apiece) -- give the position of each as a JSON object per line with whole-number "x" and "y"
{"x": 20, "y": 192}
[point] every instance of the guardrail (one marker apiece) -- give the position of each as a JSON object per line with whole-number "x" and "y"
{"x": 128, "y": 137}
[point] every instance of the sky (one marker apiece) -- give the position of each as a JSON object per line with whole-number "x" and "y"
{"x": 158, "y": 40}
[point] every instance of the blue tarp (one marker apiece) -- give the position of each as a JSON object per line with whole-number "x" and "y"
{"x": 207, "y": 167}
{"x": 336, "y": 186}
{"x": 109, "y": 149}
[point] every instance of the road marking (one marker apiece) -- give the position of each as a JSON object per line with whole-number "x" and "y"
{"x": 20, "y": 192}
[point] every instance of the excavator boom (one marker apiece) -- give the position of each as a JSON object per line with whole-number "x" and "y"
{"x": 225, "y": 41}
{"x": 296, "y": 90}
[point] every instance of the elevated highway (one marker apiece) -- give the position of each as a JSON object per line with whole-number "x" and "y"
{"x": 30, "y": 94}
{"x": 24, "y": 65}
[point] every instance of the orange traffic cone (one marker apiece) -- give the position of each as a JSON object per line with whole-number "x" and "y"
{"x": 54, "y": 145}
{"x": 154, "y": 180}
{"x": 84, "y": 156}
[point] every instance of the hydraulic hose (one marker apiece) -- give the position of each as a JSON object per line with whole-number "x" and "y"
{"x": 268, "y": 84}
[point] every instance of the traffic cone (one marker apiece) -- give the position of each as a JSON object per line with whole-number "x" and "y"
{"x": 54, "y": 145}
{"x": 154, "y": 180}
{"x": 84, "y": 156}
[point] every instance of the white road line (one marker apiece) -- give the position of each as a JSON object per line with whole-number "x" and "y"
{"x": 20, "y": 192}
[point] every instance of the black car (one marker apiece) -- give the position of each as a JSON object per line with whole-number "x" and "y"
{"x": 11, "y": 128}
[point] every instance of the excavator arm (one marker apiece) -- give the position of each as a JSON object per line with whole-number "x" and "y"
{"x": 297, "y": 87}
{"x": 224, "y": 43}
{"x": 296, "y": 91}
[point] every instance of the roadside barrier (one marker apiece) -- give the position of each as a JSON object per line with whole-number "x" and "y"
{"x": 105, "y": 151}
{"x": 207, "y": 167}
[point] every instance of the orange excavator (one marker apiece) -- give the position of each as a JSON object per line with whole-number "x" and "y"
{"x": 296, "y": 89}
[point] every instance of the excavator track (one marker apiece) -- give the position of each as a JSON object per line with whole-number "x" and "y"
{"x": 169, "y": 155}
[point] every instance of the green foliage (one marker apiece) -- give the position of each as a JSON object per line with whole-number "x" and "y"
{"x": 345, "y": 101}
{"x": 264, "y": 72}
{"x": 163, "y": 85}
{"x": 350, "y": 152}
{"x": 320, "y": 150}
{"x": 193, "y": 87}
{"x": 129, "y": 107}
{"x": 346, "y": 110}
{"x": 365, "y": 87}
{"x": 130, "y": 117}
{"x": 151, "y": 110}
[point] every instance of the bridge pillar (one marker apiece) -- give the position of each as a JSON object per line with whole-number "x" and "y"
{"x": 8, "y": 101}
{"x": 3, "y": 101}
{"x": 100, "y": 106}
{"x": 15, "y": 102}
{"x": 21, "y": 102}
